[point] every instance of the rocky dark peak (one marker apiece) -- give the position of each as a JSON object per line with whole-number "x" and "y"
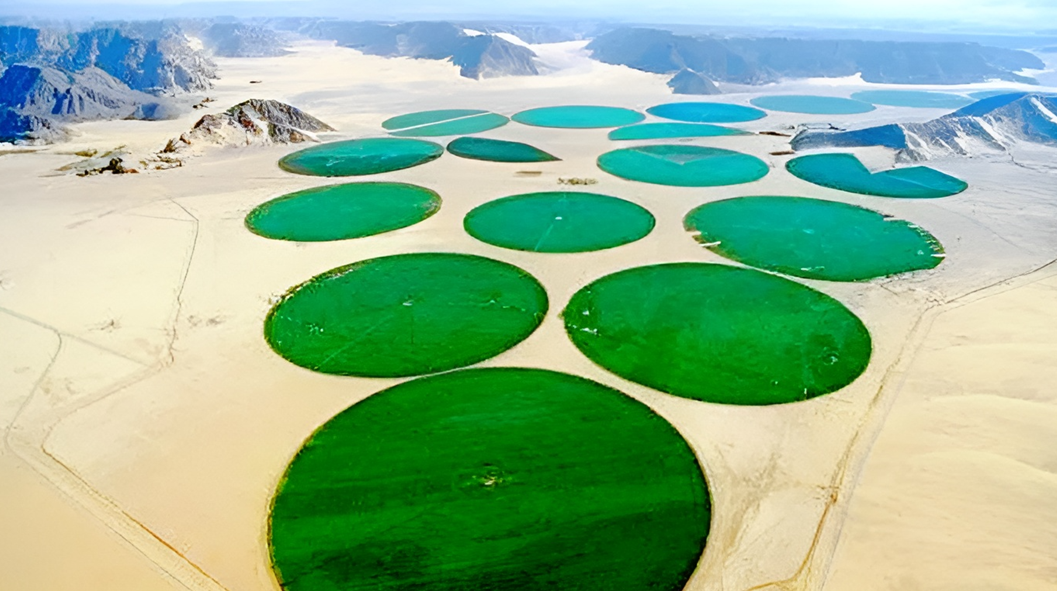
{"x": 488, "y": 56}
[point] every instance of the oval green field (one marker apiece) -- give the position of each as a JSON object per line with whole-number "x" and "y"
{"x": 406, "y": 315}
{"x": 718, "y": 333}
{"x": 340, "y": 212}
{"x": 361, "y": 157}
{"x": 683, "y": 165}
{"x": 578, "y": 117}
{"x": 812, "y": 238}
{"x": 491, "y": 479}
{"x": 556, "y": 222}
{"x": 846, "y": 173}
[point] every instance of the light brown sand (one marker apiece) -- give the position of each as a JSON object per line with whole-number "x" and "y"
{"x": 167, "y": 418}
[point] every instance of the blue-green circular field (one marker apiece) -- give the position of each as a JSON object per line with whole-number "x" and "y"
{"x": 846, "y": 173}
{"x": 495, "y": 479}
{"x": 683, "y": 165}
{"x": 579, "y": 117}
{"x": 559, "y": 222}
{"x": 812, "y": 238}
{"x": 918, "y": 99}
{"x": 655, "y": 131}
{"x": 443, "y": 122}
{"x": 812, "y": 105}
{"x": 706, "y": 112}
{"x": 361, "y": 157}
{"x": 340, "y": 212}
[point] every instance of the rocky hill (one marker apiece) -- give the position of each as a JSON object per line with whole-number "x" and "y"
{"x": 768, "y": 59}
{"x": 252, "y": 122}
{"x": 991, "y": 125}
{"x": 489, "y": 56}
{"x": 690, "y": 82}
{"x": 243, "y": 40}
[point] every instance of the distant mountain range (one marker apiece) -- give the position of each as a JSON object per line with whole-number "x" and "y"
{"x": 483, "y": 55}
{"x": 990, "y": 125}
{"x": 767, "y": 59}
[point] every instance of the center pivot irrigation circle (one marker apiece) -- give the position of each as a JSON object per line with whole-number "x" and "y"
{"x": 406, "y": 315}
{"x": 361, "y": 157}
{"x": 559, "y": 222}
{"x": 340, "y": 212}
{"x": 718, "y": 333}
{"x": 683, "y": 165}
{"x": 491, "y": 479}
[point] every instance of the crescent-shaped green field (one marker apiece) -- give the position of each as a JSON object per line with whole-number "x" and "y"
{"x": 491, "y": 479}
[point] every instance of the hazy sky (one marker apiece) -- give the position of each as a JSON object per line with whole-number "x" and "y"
{"x": 1029, "y": 14}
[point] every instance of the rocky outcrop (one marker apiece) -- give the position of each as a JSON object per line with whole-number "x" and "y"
{"x": 253, "y": 122}
{"x": 767, "y": 59}
{"x": 488, "y": 56}
{"x": 690, "y": 82}
{"x": 994, "y": 124}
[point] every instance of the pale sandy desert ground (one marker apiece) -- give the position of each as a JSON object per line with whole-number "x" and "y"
{"x": 147, "y": 422}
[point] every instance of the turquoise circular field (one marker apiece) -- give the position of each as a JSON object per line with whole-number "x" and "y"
{"x": 579, "y": 117}
{"x": 340, "y": 212}
{"x": 812, "y": 238}
{"x": 683, "y": 165}
{"x": 846, "y": 173}
{"x": 559, "y": 222}
{"x": 706, "y": 112}
{"x": 444, "y": 122}
{"x": 718, "y": 333}
{"x": 361, "y": 157}
{"x": 812, "y": 105}
{"x": 918, "y": 99}
{"x": 491, "y": 479}
{"x": 655, "y": 131}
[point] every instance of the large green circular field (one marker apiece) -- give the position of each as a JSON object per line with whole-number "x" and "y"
{"x": 683, "y": 165}
{"x": 406, "y": 315}
{"x": 339, "y": 212}
{"x": 559, "y": 222}
{"x": 812, "y": 238}
{"x": 361, "y": 157}
{"x": 491, "y": 479}
{"x": 718, "y": 333}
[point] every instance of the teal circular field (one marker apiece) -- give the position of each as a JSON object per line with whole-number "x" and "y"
{"x": 706, "y": 112}
{"x": 812, "y": 105}
{"x": 683, "y": 165}
{"x": 340, "y": 212}
{"x": 986, "y": 94}
{"x": 406, "y": 315}
{"x": 812, "y": 238}
{"x": 917, "y": 99}
{"x": 361, "y": 157}
{"x": 846, "y": 173}
{"x": 490, "y": 150}
{"x": 718, "y": 333}
{"x": 579, "y": 117}
{"x": 654, "y": 131}
{"x": 443, "y": 122}
{"x": 491, "y": 479}
{"x": 559, "y": 222}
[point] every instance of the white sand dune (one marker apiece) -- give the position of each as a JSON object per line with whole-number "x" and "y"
{"x": 164, "y": 421}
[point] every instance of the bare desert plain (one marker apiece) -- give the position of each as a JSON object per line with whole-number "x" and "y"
{"x": 146, "y": 421}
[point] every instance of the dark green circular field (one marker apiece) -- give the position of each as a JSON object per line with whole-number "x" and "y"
{"x": 812, "y": 238}
{"x": 340, "y": 212}
{"x": 559, "y": 222}
{"x": 361, "y": 157}
{"x": 683, "y": 165}
{"x": 406, "y": 315}
{"x": 718, "y": 333}
{"x": 489, "y": 150}
{"x": 491, "y": 480}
